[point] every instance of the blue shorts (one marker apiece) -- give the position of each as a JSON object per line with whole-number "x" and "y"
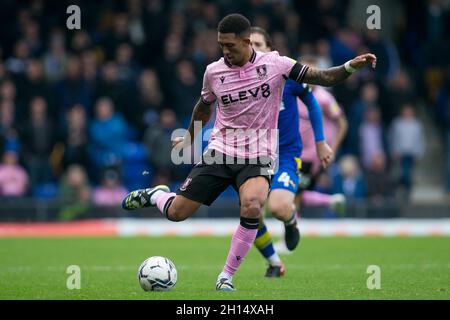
{"x": 287, "y": 175}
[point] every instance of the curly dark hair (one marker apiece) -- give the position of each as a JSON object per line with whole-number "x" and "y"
{"x": 234, "y": 23}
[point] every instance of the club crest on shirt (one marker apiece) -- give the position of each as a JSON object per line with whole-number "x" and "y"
{"x": 185, "y": 184}
{"x": 262, "y": 71}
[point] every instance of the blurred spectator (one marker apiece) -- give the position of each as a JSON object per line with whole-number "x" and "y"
{"x": 388, "y": 63}
{"x": 371, "y": 137}
{"x": 75, "y": 137}
{"x": 346, "y": 93}
{"x": 210, "y": 15}
{"x": 119, "y": 34}
{"x": 74, "y": 180}
{"x": 33, "y": 84}
{"x": 368, "y": 98}
{"x": 7, "y": 117}
{"x": 206, "y": 49}
{"x": 158, "y": 140}
{"x": 380, "y": 185}
{"x": 280, "y": 43}
{"x": 75, "y": 190}
{"x": 166, "y": 66}
{"x": 127, "y": 74}
{"x": 151, "y": 99}
{"x": 407, "y": 142}
{"x": 89, "y": 60}
{"x": 55, "y": 58}
{"x": 178, "y": 24}
{"x": 108, "y": 134}
{"x": 350, "y": 180}
{"x": 3, "y": 73}
{"x": 8, "y": 132}
{"x": 73, "y": 88}
{"x": 8, "y": 91}
{"x": 136, "y": 24}
{"x": 13, "y": 178}
{"x": 294, "y": 33}
{"x": 400, "y": 90}
{"x": 32, "y": 38}
{"x": 17, "y": 63}
{"x": 329, "y": 15}
{"x": 111, "y": 192}
{"x": 185, "y": 90}
{"x": 38, "y": 135}
{"x": 109, "y": 85}
{"x": 122, "y": 93}
{"x": 155, "y": 14}
{"x": 342, "y": 46}
{"x": 81, "y": 41}
{"x": 323, "y": 54}
{"x": 127, "y": 69}
{"x": 381, "y": 189}
{"x": 435, "y": 29}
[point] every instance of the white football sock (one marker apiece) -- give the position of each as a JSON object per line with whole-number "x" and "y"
{"x": 154, "y": 196}
{"x": 224, "y": 275}
{"x": 274, "y": 260}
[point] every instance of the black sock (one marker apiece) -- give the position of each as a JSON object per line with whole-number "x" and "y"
{"x": 250, "y": 223}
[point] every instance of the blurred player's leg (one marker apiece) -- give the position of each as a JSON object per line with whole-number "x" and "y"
{"x": 336, "y": 202}
{"x": 264, "y": 244}
{"x": 281, "y": 199}
{"x": 281, "y": 206}
{"x": 252, "y": 194}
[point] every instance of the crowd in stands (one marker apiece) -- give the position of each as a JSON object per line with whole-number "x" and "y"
{"x": 88, "y": 114}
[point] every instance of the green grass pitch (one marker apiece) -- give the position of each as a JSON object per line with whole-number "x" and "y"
{"x": 321, "y": 268}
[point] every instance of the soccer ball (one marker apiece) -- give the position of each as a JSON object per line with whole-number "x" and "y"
{"x": 157, "y": 274}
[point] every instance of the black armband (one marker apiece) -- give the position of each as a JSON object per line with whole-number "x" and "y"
{"x": 206, "y": 102}
{"x": 298, "y": 72}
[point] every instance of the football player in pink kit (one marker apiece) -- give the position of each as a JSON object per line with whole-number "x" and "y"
{"x": 247, "y": 87}
{"x": 335, "y": 128}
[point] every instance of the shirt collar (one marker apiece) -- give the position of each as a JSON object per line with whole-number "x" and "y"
{"x": 252, "y": 59}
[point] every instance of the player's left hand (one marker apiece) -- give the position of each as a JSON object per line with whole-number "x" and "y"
{"x": 325, "y": 153}
{"x": 364, "y": 60}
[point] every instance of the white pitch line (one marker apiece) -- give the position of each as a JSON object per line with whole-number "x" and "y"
{"x": 21, "y": 269}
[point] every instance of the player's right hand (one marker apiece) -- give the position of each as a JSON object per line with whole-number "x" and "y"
{"x": 364, "y": 60}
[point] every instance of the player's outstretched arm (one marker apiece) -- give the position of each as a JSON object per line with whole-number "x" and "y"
{"x": 332, "y": 76}
{"x": 202, "y": 113}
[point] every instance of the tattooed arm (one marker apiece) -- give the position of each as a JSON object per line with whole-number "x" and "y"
{"x": 332, "y": 76}
{"x": 202, "y": 113}
{"x": 326, "y": 77}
